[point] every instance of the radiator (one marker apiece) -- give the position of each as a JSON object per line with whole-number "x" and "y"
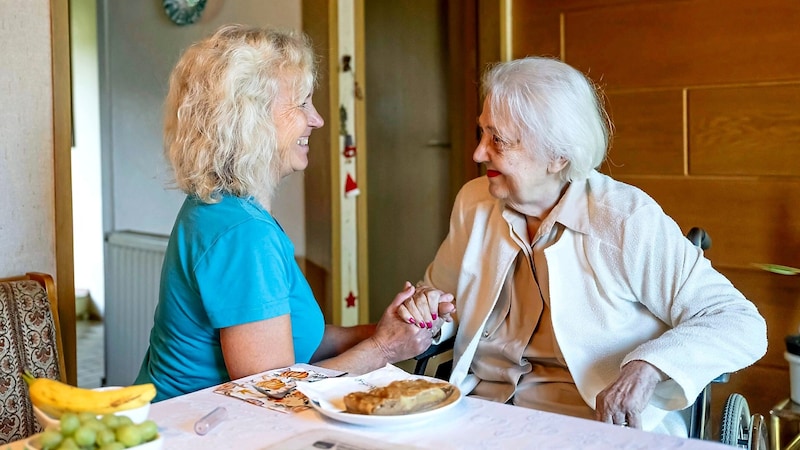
{"x": 133, "y": 273}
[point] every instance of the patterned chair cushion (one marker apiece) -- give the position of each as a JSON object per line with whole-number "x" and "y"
{"x": 27, "y": 341}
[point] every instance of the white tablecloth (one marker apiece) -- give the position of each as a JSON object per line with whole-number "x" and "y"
{"x": 472, "y": 424}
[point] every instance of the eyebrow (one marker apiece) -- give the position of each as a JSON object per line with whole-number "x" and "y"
{"x": 491, "y": 128}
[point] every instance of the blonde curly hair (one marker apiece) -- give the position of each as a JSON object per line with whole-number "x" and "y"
{"x": 219, "y": 135}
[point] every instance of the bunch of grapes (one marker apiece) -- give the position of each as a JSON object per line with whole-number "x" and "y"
{"x": 87, "y": 431}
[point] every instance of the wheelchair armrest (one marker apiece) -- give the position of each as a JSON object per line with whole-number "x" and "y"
{"x": 433, "y": 350}
{"x": 436, "y": 349}
{"x": 724, "y": 378}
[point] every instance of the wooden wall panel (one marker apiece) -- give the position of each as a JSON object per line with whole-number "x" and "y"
{"x": 535, "y": 33}
{"x": 536, "y": 24}
{"x": 750, "y": 220}
{"x": 744, "y": 130}
{"x": 648, "y": 133}
{"x": 778, "y": 300}
{"x": 678, "y": 43}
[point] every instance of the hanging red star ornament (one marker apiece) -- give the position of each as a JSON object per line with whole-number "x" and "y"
{"x": 350, "y": 300}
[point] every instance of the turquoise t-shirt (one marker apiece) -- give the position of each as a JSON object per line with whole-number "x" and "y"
{"x": 226, "y": 264}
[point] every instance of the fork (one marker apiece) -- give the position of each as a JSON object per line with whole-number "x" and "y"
{"x": 274, "y": 395}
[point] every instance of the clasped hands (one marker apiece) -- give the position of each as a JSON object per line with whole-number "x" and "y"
{"x": 427, "y": 308}
{"x": 396, "y": 338}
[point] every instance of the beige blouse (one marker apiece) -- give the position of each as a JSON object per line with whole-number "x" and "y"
{"x": 518, "y": 360}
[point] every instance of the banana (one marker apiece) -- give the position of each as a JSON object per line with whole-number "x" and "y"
{"x": 56, "y": 398}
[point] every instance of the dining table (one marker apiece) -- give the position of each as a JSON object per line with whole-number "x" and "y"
{"x": 469, "y": 423}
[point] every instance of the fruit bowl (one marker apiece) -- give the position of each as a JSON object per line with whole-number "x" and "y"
{"x": 137, "y": 415}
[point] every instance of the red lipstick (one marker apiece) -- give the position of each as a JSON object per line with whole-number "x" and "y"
{"x": 492, "y": 173}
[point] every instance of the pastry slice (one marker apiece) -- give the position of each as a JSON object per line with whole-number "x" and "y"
{"x": 398, "y": 398}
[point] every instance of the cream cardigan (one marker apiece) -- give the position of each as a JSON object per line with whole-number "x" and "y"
{"x": 625, "y": 284}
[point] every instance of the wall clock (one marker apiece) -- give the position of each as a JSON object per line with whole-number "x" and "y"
{"x": 184, "y": 12}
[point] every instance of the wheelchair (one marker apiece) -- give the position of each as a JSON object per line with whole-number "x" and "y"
{"x": 738, "y": 427}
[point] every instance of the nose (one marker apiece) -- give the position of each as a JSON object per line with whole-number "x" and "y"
{"x": 314, "y": 119}
{"x": 480, "y": 155}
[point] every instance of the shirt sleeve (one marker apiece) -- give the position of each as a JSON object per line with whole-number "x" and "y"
{"x": 714, "y": 329}
{"x": 244, "y": 276}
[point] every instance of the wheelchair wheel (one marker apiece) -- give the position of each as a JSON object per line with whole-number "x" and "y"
{"x": 759, "y": 439}
{"x": 736, "y": 422}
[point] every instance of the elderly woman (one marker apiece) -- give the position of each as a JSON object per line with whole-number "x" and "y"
{"x": 233, "y": 301}
{"x": 576, "y": 293}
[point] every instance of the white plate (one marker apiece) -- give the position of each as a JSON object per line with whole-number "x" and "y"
{"x": 331, "y": 410}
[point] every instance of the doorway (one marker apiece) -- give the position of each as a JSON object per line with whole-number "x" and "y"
{"x": 87, "y": 201}
{"x": 408, "y": 139}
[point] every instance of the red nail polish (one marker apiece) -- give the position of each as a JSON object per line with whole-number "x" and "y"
{"x": 430, "y": 325}
{"x": 434, "y": 316}
{"x": 422, "y": 324}
{"x": 412, "y": 321}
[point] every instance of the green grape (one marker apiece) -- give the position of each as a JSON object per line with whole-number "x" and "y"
{"x": 94, "y": 424}
{"x": 113, "y": 446}
{"x": 105, "y": 437}
{"x": 111, "y": 421}
{"x": 50, "y": 439}
{"x": 124, "y": 420}
{"x": 69, "y": 423}
{"x": 68, "y": 444}
{"x": 129, "y": 435}
{"x": 86, "y": 416}
{"x": 85, "y": 436}
{"x": 149, "y": 430}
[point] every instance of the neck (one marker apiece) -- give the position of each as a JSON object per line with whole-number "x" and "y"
{"x": 265, "y": 202}
{"x": 547, "y": 198}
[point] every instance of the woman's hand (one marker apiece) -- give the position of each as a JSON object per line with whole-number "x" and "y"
{"x": 395, "y": 338}
{"x": 427, "y": 308}
{"x": 622, "y": 402}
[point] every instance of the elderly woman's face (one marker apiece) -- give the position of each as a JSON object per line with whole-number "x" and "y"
{"x": 294, "y": 123}
{"x": 516, "y": 173}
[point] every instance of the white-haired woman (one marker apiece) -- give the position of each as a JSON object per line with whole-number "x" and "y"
{"x": 233, "y": 302}
{"x": 576, "y": 293}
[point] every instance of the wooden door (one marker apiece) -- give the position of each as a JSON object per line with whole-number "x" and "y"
{"x": 409, "y": 151}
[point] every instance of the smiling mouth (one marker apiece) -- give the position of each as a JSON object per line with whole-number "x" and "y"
{"x": 302, "y": 141}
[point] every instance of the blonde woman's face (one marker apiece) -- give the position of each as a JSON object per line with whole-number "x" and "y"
{"x": 294, "y": 123}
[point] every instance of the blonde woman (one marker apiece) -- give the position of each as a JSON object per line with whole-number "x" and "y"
{"x": 233, "y": 302}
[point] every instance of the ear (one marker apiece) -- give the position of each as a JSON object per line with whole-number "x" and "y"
{"x": 557, "y": 164}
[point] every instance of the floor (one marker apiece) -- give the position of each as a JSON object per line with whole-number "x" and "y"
{"x": 91, "y": 353}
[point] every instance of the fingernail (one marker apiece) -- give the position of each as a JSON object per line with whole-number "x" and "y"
{"x": 430, "y": 325}
{"x": 412, "y": 321}
{"x": 422, "y": 324}
{"x": 434, "y": 316}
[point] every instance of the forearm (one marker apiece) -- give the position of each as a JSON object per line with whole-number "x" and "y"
{"x": 361, "y": 358}
{"x": 365, "y": 348}
{"x": 337, "y": 340}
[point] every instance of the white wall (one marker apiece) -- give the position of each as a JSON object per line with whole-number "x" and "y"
{"x": 27, "y": 204}
{"x": 138, "y": 48}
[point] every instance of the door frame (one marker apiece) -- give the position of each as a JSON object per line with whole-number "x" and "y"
{"x": 62, "y": 154}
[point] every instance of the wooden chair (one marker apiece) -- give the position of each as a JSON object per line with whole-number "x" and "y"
{"x": 30, "y": 339}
